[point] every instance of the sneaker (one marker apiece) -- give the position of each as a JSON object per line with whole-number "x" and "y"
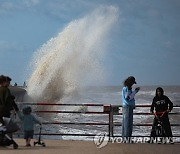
{"x": 15, "y": 146}
{"x": 28, "y": 145}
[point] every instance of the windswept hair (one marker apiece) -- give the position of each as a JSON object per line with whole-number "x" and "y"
{"x": 126, "y": 82}
{"x": 161, "y": 90}
{"x": 129, "y": 81}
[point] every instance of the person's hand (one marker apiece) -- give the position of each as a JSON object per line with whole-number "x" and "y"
{"x": 168, "y": 110}
{"x": 137, "y": 89}
{"x": 13, "y": 112}
{"x": 128, "y": 98}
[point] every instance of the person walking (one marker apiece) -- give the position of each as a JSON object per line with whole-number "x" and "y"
{"x": 128, "y": 103}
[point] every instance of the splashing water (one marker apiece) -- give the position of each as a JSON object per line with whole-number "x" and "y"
{"x": 73, "y": 57}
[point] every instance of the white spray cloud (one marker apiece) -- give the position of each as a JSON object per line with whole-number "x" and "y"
{"x": 72, "y": 57}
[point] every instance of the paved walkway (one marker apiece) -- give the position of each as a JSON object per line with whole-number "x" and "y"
{"x": 88, "y": 147}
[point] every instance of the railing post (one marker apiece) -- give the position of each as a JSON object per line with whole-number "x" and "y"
{"x": 108, "y": 110}
{"x": 111, "y": 121}
{"x": 113, "y": 111}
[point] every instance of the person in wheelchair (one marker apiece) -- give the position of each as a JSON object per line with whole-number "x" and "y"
{"x": 162, "y": 105}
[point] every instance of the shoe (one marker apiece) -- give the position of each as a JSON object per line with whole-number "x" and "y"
{"x": 15, "y": 146}
{"x": 28, "y": 145}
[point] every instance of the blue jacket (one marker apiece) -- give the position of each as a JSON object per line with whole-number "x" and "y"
{"x": 28, "y": 121}
{"x": 128, "y": 97}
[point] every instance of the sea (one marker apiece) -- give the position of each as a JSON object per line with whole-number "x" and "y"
{"x": 61, "y": 69}
{"x": 102, "y": 95}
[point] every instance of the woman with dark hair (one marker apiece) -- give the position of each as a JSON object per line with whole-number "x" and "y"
{"x": 128, "y": 105}
{"x": 162, "y": 104}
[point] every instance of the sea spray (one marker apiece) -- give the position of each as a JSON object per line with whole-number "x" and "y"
{"x": 73, "y": 57}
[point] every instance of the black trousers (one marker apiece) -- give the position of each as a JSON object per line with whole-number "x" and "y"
{"x": 165, "y": 124}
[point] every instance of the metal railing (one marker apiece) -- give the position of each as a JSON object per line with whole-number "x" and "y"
{"x": 108, "y": 110}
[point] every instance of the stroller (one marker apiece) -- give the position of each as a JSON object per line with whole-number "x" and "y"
{"x": 7, "y": 126}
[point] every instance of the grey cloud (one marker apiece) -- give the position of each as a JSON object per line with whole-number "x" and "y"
{"x": 10, "y": 47}
{"x": 31, "y": 3}
{"x": 7, "y": 8}
{"x": 67, "y": 9}
{"x": 60, "y": 9}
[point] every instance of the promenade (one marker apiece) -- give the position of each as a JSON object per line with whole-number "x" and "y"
{"x": 88, "y": 147}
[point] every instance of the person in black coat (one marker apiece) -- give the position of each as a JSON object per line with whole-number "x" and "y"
{"x": 12, "y": 105}
{"x": 5, "y": 98}
{"x": 161, "y": 103}
{"x": 7, "y": 101}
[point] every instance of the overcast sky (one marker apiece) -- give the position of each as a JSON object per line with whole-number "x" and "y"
{"x": 145, "y": 41}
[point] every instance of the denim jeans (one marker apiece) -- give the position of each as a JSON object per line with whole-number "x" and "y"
{"x": 127, "y": 122}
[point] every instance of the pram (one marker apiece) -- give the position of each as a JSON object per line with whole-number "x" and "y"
{"x": 7, "y": 126}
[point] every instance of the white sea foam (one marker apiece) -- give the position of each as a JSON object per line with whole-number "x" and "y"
{"x": 72, "y": 58}
{"x": 105, "y": 95}
{"x": 152, "y": 93}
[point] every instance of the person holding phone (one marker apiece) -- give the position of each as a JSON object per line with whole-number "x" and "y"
{"x": 128, "y": 103}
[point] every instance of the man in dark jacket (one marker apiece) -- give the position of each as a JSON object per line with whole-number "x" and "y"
{"x": 13, "y": 105}
{"x": 6, "y": 101}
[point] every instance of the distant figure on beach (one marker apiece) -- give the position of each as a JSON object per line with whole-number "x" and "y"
{"x": 128, "y": 105}
{"x": 15, "y": 84}
{"x": 28, "y": 124}
{"x": 162, "y": 105}
{"x": 24, "y": 84}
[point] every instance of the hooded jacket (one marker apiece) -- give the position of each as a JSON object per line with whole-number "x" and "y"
{"x": 161, "y": 104}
